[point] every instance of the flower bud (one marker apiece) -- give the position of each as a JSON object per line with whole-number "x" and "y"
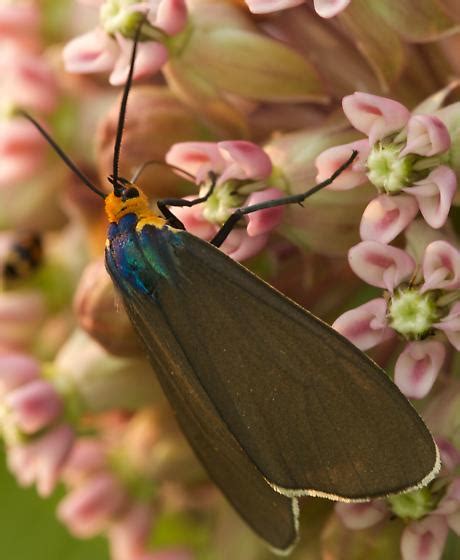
{"x": 89, "y": 508}
{"x": 155, "y": 121}
{"x": 42, "y": 460}
{"x": 34, "y": 406}
{"x": 153, "y": 448}
{"x": 16, "y": 370}
{"x": 21, "y": 316}
{"x": 101, "y": 314}
{"x": 97, "y": 381}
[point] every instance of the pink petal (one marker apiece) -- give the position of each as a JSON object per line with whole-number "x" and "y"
{"x": 22, "y": 151}
{"x": 128, "y": 535}
{"x": 34, "y": 405}
{"x": 16, "y": 370}
{"x": 435, "y": 194}
{"x": 171, "y": 16}
{"x": 240, "y": 247}
{"x": 361, "y": 515}
{"x": 418, "y": 366}
{"x": 427, "y": 136}
{"x": 87, "y": 457}
{"x": 386, "y": 217}
{"x": 441, "y": 267}
{"x": 450, "y": 325}
{"x": 42, "y": 460}
{"x": 173, "y": 554}
{"x": 267, "y": 6}
{"x": 366, "y": 325}
{"x": 194, "y": 222}
{"x": 450, "y": 502}
{"x": 88, "y": 509}
{"x": 330, "y": 8}
{"x": 244, "y": 160}
{"x": 94, "y": 51}
{"x": 150, "y": 58}
{"x": 30, "y": 78}
{"x": 425, "y": 539}
{"x": 20, "y": 23}
{"x": 266, "y": 220}
{"x": 376, "y": 116}
{"x": 450, "y": 455}
{"x": 197, "y": 158}
{"x": 380, "y": 265}
{"x": 331, "y": 159}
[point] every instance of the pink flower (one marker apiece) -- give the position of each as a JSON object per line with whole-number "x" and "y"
{"x": 427, "y": 136}
{"x": 89, "y": 508}
{"x": 22, "y": 151}
{"x": 418, "y": 366}
{"x": 34, "y": 405}
{"x": 376, "y": 116}
{"x": 16, "y": 370}
{"x": 411, "y": 309}
{"x": 100, "y": 50}
{"x": 324, "y": 8}
{"x": 42, "y": 460}
{"x": 398, "y": 157}
{"x": 241, "y": 244}
{"x": 232, "y": 159}
{"x": 361, "y": 515}
{"x": 331, "y": 159}
{"x": 386, "y": 217}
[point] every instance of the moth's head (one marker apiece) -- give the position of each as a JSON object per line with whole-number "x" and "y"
{"x": 126, "y": 198}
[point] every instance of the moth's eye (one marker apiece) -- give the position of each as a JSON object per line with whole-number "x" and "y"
{"x": 132, "y": 192}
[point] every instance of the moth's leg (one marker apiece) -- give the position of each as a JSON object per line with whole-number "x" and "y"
{"x": 181, "y": 202}
{"x": 231, "y": 222}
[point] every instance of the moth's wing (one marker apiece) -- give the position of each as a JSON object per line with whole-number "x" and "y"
{"x": 271, "y": 515}
{"x": 312, "y": 412}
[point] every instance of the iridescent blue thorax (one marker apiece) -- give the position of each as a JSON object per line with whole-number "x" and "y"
{"x": 143, "y": 255}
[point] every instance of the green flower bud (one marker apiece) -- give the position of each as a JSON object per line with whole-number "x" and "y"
{"x": 116, "y": 17}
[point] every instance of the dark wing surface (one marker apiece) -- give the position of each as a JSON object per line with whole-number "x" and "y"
{"x": 311, "y": 411}
{"x": 270, "y": 514}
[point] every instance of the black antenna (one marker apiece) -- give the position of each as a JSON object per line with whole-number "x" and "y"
{"x": 122, "y": 115}
{"x": 60, "y": 152}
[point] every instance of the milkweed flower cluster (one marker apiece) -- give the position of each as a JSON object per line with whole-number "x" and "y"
{"x": 244, "y": 101}
{"x": 108, "y": 47}
{"x": 242, "y": 170}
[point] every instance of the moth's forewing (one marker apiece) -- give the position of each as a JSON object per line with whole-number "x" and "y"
{"x": 271, "y": 515}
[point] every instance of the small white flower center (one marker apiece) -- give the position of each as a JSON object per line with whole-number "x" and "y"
{"x": 389, "y": 172}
